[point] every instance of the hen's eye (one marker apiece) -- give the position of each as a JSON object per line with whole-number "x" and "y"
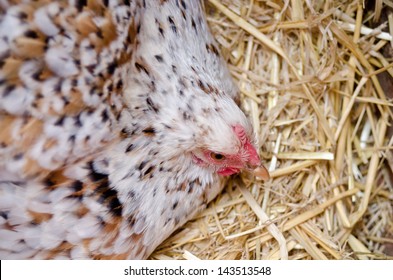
{"x": 216, "y": 156}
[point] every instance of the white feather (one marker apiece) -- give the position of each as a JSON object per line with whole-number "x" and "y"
{"x": 9, "y": 240}
{"x": 61, "y": 62}
{"x": 44, "y": 22}
{"x": 87, "y": 227}
{"x": 79, "y": 253}
{"x": 17, "y": 101}
{"x": 52, "y": 235}
{"x": 32, "y": 236}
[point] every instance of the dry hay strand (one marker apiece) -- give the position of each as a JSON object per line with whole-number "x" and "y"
{"x": 308, "y": 74}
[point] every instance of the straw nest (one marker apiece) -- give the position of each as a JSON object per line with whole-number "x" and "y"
{"x": 310, "y": 77}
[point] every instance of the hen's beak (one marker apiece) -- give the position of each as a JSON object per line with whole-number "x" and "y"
{"x": 255, "y": 166}
{"x": 261, "y": 172}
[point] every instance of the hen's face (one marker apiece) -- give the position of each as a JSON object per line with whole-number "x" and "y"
{"x": 245, "y": 157}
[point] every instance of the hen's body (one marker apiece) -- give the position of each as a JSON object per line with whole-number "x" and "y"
{"x": 101, "y": 108}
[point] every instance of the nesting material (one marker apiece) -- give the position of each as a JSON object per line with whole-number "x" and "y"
{"x": 308, "y": 76}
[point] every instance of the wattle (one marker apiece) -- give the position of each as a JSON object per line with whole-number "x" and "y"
{"x": 226, "y": 171}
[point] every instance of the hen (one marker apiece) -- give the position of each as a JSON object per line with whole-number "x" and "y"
{"x": 118, "y": 124}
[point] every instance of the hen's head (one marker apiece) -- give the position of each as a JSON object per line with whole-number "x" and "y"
{"x": 243, "y": 155}
{"x": 224, "y": 141}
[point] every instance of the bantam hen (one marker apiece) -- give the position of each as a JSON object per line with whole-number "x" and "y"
{"x": 118, "y": 124}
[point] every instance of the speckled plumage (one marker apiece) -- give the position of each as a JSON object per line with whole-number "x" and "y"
{"x": 108, "y": 113}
